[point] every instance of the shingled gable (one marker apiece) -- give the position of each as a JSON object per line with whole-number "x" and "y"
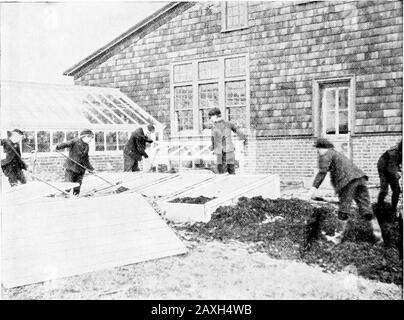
{"x": 145, "y": 26}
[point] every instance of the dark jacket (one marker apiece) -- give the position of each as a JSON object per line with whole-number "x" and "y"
{"x": 342, "y": 170}
{"x": 136, "y": 145}
{"x": 78, "y": 151}
{"x": 13, "y": 157}
{"x": 221, "y": 136}
{"x": 390, "y": 162}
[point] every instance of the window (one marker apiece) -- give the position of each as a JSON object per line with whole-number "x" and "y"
{"x": 234, "y": 15}
{"x": 335, "y": 110}
{"x": 58, "y": 137}
{"x": 111, "y": 141}
{"x": 183, "y": 108}
{"x": 122, "y": 139}
{"x": 28, "y": 141}
{"x": 70, "y": 135}
{"x": 43, "y": 138}
{"x": 99, "y": 141}
{"x": 219, "y": 82}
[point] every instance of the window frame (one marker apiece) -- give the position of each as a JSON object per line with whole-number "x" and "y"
{"x": 224, "y": 27}
{"x": 195, "y": 83}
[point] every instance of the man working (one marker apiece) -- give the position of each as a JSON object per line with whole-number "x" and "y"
{"x": 222, "y": 143}
{"x": 76, "y": 166}
{"x": 389, "y": 167}
{"x": 350, "y": 184}
{"x": 13, "y": 165}
{"x": 135, "y": 148}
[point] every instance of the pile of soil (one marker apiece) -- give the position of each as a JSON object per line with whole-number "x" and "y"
{"x": 292, "y": 229}
{"x": 197, "y": 200}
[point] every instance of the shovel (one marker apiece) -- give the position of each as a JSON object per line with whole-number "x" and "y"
{"x": 118, "y": 190}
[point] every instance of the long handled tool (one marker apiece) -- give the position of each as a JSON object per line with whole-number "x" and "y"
{"x": 119, "y": 190}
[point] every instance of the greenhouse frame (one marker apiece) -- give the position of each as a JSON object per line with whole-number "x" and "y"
{"x": 51, "y": 114}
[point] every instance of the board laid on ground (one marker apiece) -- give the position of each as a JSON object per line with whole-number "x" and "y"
{"x": 54, "y": 239}
{"x": 223, "y": 190}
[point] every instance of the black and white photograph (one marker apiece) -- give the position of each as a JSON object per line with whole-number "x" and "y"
{"x": 201, "y": 150}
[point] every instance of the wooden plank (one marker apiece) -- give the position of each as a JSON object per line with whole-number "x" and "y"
{"x": 34, "y": 190}
{"x": 49, "y": 240}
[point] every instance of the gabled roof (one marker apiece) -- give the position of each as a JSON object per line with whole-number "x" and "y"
{"x": 48, "y": 106}
{"x": 121, "y": 38}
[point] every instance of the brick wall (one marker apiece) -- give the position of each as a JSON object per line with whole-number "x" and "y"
{"x": 289, "y": 44}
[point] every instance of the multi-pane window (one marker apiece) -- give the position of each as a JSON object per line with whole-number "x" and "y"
{"x": 220, "y": 82}
{"x": 234, "y": 15}
{"x": 122, "y": 139}
{"x": 236, "y": 102}
{"x": 58, "y": 137}
{"x": 335, "y": 110}
{"x": 28, "y": 141}
{"x": 99, "y": 141}
{"x": 111, "y": 141}
{"x": 183, "y": 108}
{"x": 183, "y": 72}
{"x": 43, "y": 138}
{"x": 70, "y": 135}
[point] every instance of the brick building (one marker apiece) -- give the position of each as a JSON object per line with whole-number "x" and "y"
{"x": 284, "y": 71}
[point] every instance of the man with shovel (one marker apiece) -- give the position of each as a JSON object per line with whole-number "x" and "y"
{"x": 78, "y": 160}
{"x": 13, "y": 165}
{"x": 350, "y": 184}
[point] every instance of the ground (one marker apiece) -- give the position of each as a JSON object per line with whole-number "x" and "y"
{"x": 213, "y": 270}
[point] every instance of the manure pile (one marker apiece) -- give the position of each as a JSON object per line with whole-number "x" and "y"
{"x": 292, "y": 229}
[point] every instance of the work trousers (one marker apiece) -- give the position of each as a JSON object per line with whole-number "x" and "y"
{"x": 130, "y": 164}
{"x": 386, "y": 180}
{"x": 355, "y": 190}
{"x": 71, "y": 176}
{"x": 14, "y": 174}
{"x": 225, "y": 163}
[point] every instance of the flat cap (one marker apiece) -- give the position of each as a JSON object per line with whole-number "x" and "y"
{"x": 18, "y": 131}
{"x": 323, "y": 143}
{"x": 86, "y": 132}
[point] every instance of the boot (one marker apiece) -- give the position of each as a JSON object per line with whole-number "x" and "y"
{"x": 377, "y": 231}
{"x": 339, "y": 233}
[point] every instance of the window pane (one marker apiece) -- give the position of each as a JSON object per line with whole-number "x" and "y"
{"x": 28, "y": 141}
{"x": 99, "y": 141}
{"x": 208, "y": 98}
{"x": 236, "y": 93}
{"x": 208, "y": 69}
{"x": 184, "y": 120}
{"x": 183, "y": 98}
{"x": 111, "y": 141}
{"x": 330, "y": 125}
{"x": 122, "y": 139}
{"x": 43, "y": 141}
{"x": 330, "y": 100}
{"x": 236, "y": 115}
{"x": 70, "y": 135}
{"x": 58, "y": 137}
{"x": 209, "y": 95}
{"x": 343, "y": 99}
{"x": 343, "y": 122}
{"x": 183, "y": 72}
{"x": 235, "y": 67}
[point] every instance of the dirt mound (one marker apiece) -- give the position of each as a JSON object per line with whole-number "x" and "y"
{"x": 292, "y": 229}
{"x": 197, "y": 200}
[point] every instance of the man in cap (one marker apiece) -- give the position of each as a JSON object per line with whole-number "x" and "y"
{"x": 389, "y": 168}
{"x": 135, "y": 148}
{"x": 222, "y": 143}
{"x": 79, "y": 162}
{"x": 349, "y": 183}
{"x": 13, "y": 165}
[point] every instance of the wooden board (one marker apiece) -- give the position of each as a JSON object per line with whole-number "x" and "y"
{"x": 33, "y": 190}
{"x": 48, "y": 240}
